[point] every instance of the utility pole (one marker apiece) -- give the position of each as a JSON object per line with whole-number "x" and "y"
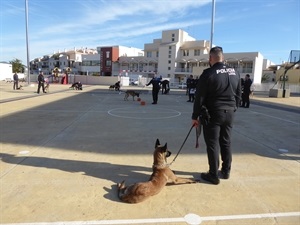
{"x": 27, "y": 45}
{"x": 212, "y": 23}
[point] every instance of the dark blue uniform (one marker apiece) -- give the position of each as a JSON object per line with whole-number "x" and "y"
{"x": 155, "y": 88}
{"x": 41, "y": 82}
{"x": 218, "y": 89}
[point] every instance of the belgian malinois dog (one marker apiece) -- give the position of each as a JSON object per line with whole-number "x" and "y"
{"x": 112, "y": 87}
{"x": 20, "y": 88}
{"x": 161, "y": 175}
{"x": 132, "y": 93}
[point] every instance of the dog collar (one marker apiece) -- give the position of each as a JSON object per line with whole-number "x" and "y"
{"x": 160, "y": 165}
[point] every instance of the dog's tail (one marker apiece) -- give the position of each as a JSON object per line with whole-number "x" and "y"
{"x": 121, "y": 189}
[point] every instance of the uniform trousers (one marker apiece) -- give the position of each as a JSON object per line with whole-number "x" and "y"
{"x": 16, "y": 85}
{"x": 41, "y": 84}
{"x": 155, "y": 92}
{"x": 217, "y": 136}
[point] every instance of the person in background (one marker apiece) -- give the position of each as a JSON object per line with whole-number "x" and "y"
{"x": 188, "y": 84}
{"x": 246, "y": 91}
{"x": 41, "y": 81}
{"x": 242, "y": 89}
{"x": 155, "y": 81}
{"x": 217, "y": 97}
{"x": 165, "y": 84}
{"x": 16, "y": 81}
{"x": 117, "y": 86}
{"x": 192, "y": 89}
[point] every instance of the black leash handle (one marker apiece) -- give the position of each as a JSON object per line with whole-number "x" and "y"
{"x": 182, "y": 144}
{"x": 198, "y": 133}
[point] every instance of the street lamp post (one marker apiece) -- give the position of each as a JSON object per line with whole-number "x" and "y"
{"x": 27, "y": 42}
{"x": 212, "y": 23}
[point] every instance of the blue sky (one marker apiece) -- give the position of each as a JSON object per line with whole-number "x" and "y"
{"x": 271, "y": 27}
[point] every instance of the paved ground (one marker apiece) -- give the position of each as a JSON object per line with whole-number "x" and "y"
{"x": 63, "y": 152}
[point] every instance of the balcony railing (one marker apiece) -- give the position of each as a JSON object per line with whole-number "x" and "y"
{"x": 184, "y": 70}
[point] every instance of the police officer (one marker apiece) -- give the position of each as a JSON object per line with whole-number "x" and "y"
{"x": 41, "y": 81}
{"x": 192, "y": 88}
{"x": 246, "y": 91}
{"x": 16, "y": 80}
{"x": 219, "y": 90}
{"x": 155, "y": 81}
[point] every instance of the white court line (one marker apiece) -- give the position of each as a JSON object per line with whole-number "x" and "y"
{"x": 274, "y": 117}
{"x": 166, "y": 220}
{"x": 134, "y": 111}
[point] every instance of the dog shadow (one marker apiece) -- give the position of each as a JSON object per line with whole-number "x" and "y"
{"x": 112, "y": 193}
{"x": 101, "y": 170}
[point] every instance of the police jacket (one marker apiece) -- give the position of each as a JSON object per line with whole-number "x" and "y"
{"x": 16, "y": 77}
{"x": 41, "y": 78}
{"x": 218, "y": 88}
{"x": 155, "y": 83}
{"x": 247, "y": 86}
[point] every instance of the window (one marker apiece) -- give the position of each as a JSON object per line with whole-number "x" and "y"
{"x": 149, "y": 54}
{"x": 169, "y": 56}
{"x": 173, "y": 37}
{"x": 107, "y": 54}
{"x": 196, "y": 52}
{"x": 86, "y": 63}
{"x": 170, "y": 47}
{"x": 247, "y": 67}
{"x": 185, "y": 52}
{"x": 95, "y": 62}
{"x": 157, "y": 54}
{"x": 91, "y": 63}
{"x": 233, "y": 64}
{"x": 169, "y": 61}
{"x": 108, "y": 63}
{"x": 169, "y": 68}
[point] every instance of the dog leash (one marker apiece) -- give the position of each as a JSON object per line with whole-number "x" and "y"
{"x": 198, "y": 133}
{"x": 182, "y": 144}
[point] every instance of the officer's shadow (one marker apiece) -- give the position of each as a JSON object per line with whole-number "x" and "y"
{"x": 102, "y": 170}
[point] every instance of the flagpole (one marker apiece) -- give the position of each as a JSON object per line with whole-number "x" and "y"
{"x": 27, "y": 45}
{"x": 212, "y": 23}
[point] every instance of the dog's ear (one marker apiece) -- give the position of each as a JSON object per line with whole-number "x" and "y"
{"x": 157, "y": 143}
{"x": 165, "y": 147}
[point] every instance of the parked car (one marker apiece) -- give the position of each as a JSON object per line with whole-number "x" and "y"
{"x": 133, "y": 82}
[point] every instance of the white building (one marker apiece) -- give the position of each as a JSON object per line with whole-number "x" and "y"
{"x": 176, "y": 55}
{"x": 5, "y": 71}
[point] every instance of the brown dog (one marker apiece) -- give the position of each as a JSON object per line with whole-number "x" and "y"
{"x": 20, "y": 88}
{"x": 132, "y": 93}
{"x": 112, "y": 87}
{"x": 161, "y": 175}
{"x": 47, "y": 87}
